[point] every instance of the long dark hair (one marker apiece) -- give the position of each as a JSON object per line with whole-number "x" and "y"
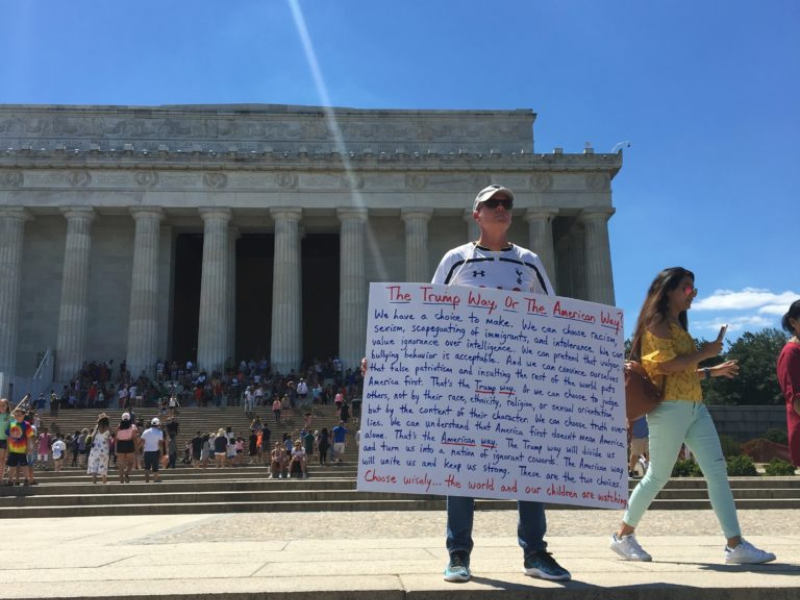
{"x": 792, "y": 313}
{"x": 656, "y": 303}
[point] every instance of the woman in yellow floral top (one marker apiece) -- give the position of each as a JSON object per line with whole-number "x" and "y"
{"x": 669, "y": 354}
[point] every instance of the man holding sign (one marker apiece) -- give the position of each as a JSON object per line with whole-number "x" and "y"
{"x": 493, "y": 262}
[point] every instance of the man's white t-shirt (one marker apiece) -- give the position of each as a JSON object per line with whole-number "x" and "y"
{"x": 512, "y": 268}
{"x": 59, "y": 447}
{"x": 151, "y": 438}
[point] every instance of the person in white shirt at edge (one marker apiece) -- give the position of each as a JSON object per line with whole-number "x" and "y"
{"x": 302, "y": 391}
{"x": 153, "y": 440}
{"x": 248, "y": 401}
{"x": 494, "y": 262}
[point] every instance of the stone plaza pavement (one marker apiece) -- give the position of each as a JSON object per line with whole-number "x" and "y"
{"x": 384, "y": 555}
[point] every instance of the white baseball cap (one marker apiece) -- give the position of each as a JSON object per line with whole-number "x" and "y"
{"x": 488, "y": 192}
{"x": 155, "y": 422}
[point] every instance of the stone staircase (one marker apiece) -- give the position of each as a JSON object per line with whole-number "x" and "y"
{"x": 247, "y": 488}
{"x": 206, "y": 420}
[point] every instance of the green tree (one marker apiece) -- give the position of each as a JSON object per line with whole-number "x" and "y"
{"x": 757, "y": 382}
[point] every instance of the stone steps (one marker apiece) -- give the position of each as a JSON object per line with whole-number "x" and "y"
{"x": 206, "y": 419}
{"x": 247, "y": 489}
{"x": 190, "y": 474}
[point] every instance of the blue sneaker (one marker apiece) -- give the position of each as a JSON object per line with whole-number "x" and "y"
{"x": 458, "y": 567}
{"x": 542, "y": 564}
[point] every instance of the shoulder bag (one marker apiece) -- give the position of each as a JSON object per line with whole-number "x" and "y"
{"x": 641, "y": 394}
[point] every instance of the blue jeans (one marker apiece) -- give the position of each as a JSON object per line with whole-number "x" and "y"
{"x": 671, "y": 424}
{"x": 461, "y": 510}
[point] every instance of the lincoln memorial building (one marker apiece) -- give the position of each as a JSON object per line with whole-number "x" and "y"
{"x": 239, "y": 231}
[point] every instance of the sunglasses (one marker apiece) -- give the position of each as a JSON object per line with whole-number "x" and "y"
{"x": 506, "y": 203}
{"x": 690, "y": 290}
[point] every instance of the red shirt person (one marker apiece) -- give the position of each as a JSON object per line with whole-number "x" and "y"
{"x": 789, "y": 378}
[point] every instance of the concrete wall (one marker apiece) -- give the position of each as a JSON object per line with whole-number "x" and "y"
{"x": 745, "y": 423}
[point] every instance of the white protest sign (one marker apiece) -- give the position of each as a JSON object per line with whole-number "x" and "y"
{"x": 493, "y": 394}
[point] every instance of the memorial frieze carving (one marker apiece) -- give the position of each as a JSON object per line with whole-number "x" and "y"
{"x": 215, "y": 181}
{"x": 79, "y": 179}
{"x": 416, "y": 181}
{"x": 516, "y": 182}
{"x": 285, "y": 130}
{"x": 226, "y": 128}
{"x": 146, "y": 179}
{"x": 11, "y": 179}
{"x": 173, "y": 127}
{"x": 354, "y": 181}
{"x": 287, "y": 181}
{"x": 541, "y": 182}
{"x": 13, "y": 126}
{"x": 131, "y": 128}
{"x": 315, "y": 130}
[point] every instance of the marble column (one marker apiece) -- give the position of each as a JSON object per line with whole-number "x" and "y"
{"x": 233, "y": 235}
{"x": 473, "y": 231}
{"x": 599, "y": 280}
{"x": 74, "y": 310}
{"x": 287, "y": 301}
{"x": 12, "y": 232}
{"x": 353, "y": 287}
{"x": 417, "y": 258}
{"x": 212, "y": 338}
{"x": 166, "y": 290}
{"x": 540, "y": 238}
{"x": 143, "y": 315}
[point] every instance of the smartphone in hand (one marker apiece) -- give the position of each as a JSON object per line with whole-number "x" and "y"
{"x": 722, "y": 331}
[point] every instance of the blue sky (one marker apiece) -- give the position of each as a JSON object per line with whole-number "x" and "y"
{"x": 707, "y": 92}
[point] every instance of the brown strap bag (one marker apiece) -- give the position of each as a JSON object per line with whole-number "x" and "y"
{"x": 641, "y": 394}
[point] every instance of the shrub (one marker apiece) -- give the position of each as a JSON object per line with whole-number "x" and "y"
{"x": 730, "y": 447}
{"x": 741, "y": 466}
{"x": 686, "y": 468}
{"x": 779, "y": 468}
{"x": 779, "y": 436}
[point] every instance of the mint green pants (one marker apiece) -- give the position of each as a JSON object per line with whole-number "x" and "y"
{"x": 672, "y": 424}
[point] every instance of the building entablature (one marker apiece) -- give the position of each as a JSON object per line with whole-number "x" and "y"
{"x": 238, "y": 160}
{"x": 264, "y": 128}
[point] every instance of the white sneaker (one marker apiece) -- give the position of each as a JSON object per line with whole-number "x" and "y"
{"x": 629, "y": 549}
{"x": 747, "y": 554}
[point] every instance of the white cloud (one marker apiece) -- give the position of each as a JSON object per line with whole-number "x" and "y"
{"x": 765, "y": 301}
{"x": 735, "y": 324}
{"x": 750, "y": 309}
